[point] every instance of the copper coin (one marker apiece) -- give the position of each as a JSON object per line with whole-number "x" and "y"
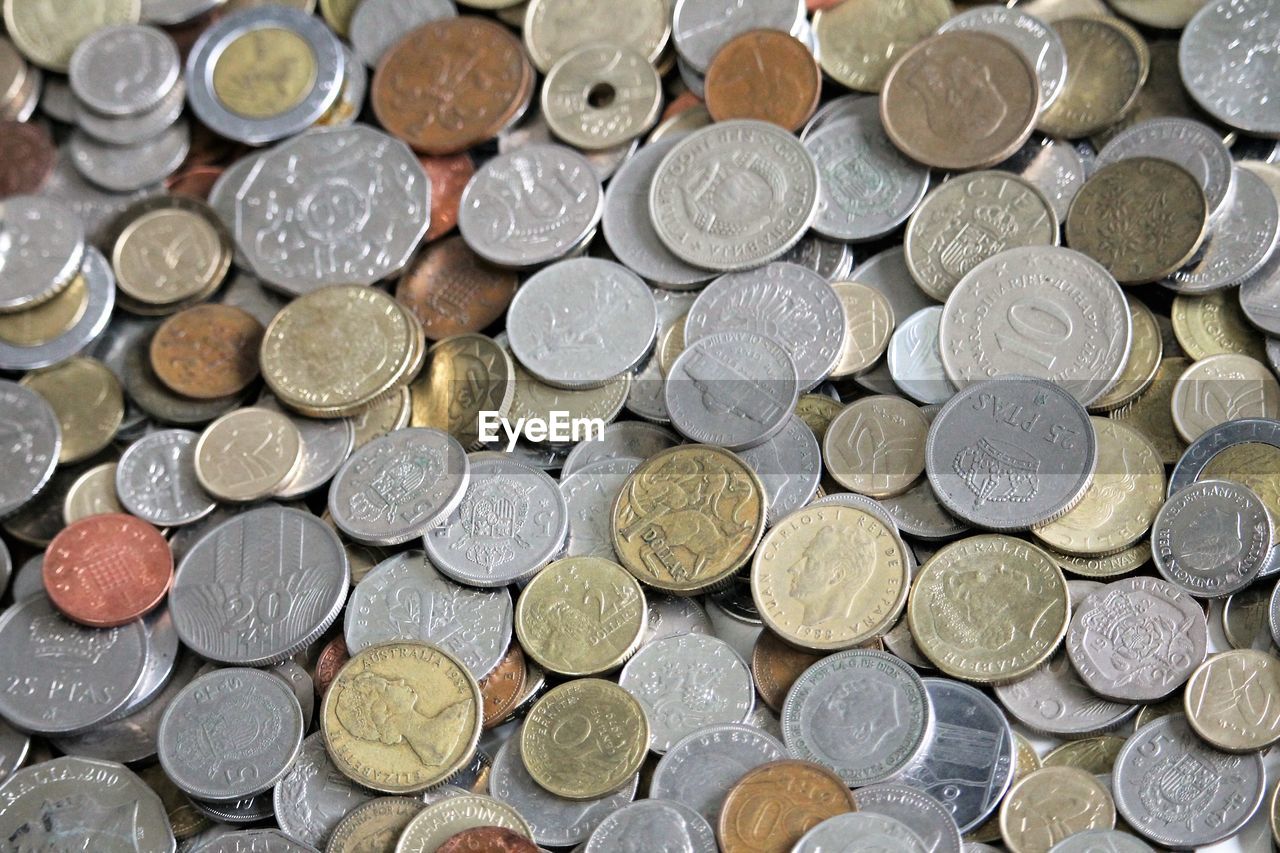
{"x": 26, "y": 157}
{"x": 452, "y": 291}
{"x": 487, "y": 839}
{"x": 451, "y": 84}
{"x": 500, "y": 690}
{"x": 207, "y": 351}
{"x": 107, "y": 570}
{"x": 960, "y": 100}
{"x": 196, "y": 181}
{"x": 773, "y": 805}
{"x": 683, "y": 102}
{"x": 332, "y": 658}
{"x": 775, "y": 666}
{"x": 766, "y": 75}
{"x": 449, "y": 177}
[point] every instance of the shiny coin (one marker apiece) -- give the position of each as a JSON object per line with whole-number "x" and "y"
{"x": 1051, "y": 804}
{"x": 1191, "y": 144}
{"x": 915, "y": 357}
{"x": 1218, "y": 64}
{"x": 156, "y": 479}
{"x": 860, "y": 832}
{"x": 1212, "y": 538}
{"x": 444, "y": 819}
{"x": 870, "y": 323}
{"x": 653, "y": 822}
{"x": 83, "y": 572}
{"x": 794, "y": 795}
{"x": 1220, "y": 699}
{"x": 124, "y": 70}
{"x": 581, "y": 99}
{"x": 1036, "y": 41}
{"x": 876, "y": 446}
{"x": 859, "y": 42}
{"x": 207, "y": 351}
{"x": 1223, "y": 387}
{"x": 589, "y": 494}
{"x": 700, "y": 770}
{"x": 93, "y": 493}
{"x": 247, "y": 455}
{"x": 43, "y": 252}
{"x": 311, "y": 800}
{"x": 1107, "y": 63}
{"x": 86, "y": 398}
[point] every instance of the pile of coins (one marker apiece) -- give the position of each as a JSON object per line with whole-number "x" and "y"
{"x": 622, "y": 426}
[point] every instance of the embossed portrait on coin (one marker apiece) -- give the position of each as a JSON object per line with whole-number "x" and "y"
{"x": 663, "y": 832}
{"x": 960, "y": 98}
{"x": 831, "y": 573}
{"x": 385, "y": 710}
{"x": 853, "y": 723}
{"x": 976, "y": 607}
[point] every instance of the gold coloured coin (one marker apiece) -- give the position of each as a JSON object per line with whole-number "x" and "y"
{"x": 1161, "y": 14}
{"x": 51, "y": 318}
{"x": 1245, "y": 617}
{"x": 1251, "y": 464}
{"x": 1214, "y": 323}
{"x": 1151, "y": 413}
{"x": 1094, "y": 755}
{"x": 584, "y": 739}
{"x": 248, "y": 454}
{"x": 860, "y": 40}
{"x": 337, "y": 14}
{"x": 1117, "y": 509}
{"x": 555, "y": 28}
{"x": 688, "y": 518}
{"x": 875, "y": 447}
{"x": 829, "y": 577}
{"x": 168, "y": 251}
{"x": 581, "y": 616}
{"x": 1230, "y": 700}
{"x": 672, "y": 344}
{"x": 93, "y": 493}
{"x": 375, "y": 826}
{"x": 48, "y": 31}
{"x": 264, "y": 72}
{"x": 1107, "y": 63}
{"x": 465, "y": 375}
{"x": 1144, "y": 360}
{"x": 390, "y": 412}
{"x": 1110, "y": 566}
{"x": 442, "y": 820}
{"x": 1151, "y": 713}
{"x": 818, "y": 411}
{"x": 88, "y": 401}
{"x": 989, "y": 608}
{"x": 534, "y": 399}
{"x": 1161, "y": 96}
{"x": 1025, "y": 762}
{"x": 400, "y": 717}
{"x": 1222, "y": 388}
{"x": 1051, "y": 804}
{"x": 868, "y": 327}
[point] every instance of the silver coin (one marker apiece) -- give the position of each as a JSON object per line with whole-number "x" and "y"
{"x": 1222, "y": 57}
{"x": 700, "y": 770}
{"x": 1273, "y": 615}
{"x": 671, "y": 616}
{"x": 478, "y": 548}
{"x": 1042, "y": 311}
{"x": 28, "y": 581}
{"x": 405, "y": 598}
{"x": 13, "y": 749}
{"x": 967, "y": 762}
{"x": 533, "y": 130}
{"x": 732, "y": 389}
{"x": 928, "y": 818}
{"x": 326, "y": 444}
{"x": 1137, "y": 639}
{"x": 247, "y": 291}
{"x": 579, "y": 323}
{"x": 862, "y": 713}
{"x": 378, "y": 24}
{"x": 833, "y": 109}
{"x": 66, "y": 678}
{"x": 793, "y": 306}
{"x": 701, "y": 27}
{"x": 330, "y": 65}
{"x": 830, "y": 259}
{"x": 887, "y": 272}
{"x": 1212, "y": 538}
{"x": 862, "y": 502}
{"x": 918, "y": 512}
{"x": 1178, "y": 791}
{"x": 297, "y": 679}
{"x": 254, "y": 841}
{"x": 172, "y": 12}
{"x": 1009, "y": 454}
{"x": 338, "y": 205}
{"x": 621, "y": 440}
{"x": 789, "y": 465}
{"x": 1100, "y": 841}
{"x": 652, "y": 825}
{"x": 6, "y": 562}
{"x": 351, "y": 98}
{"x": 531, "y": 206}
{"x": 125, "y": 168}
{"x": 867, "y": 186}
{"x": 1241, "y": 249}
{"x": 71, "y": 803}
{"x": 589, "y": 494}
{"x": 311, "y": 800}
{"x": 1030, "y": 36}
{"x": 860, "y": 832}
{"x": 701, "y": 211}
{"x": 162, "y": 657}
{"x": 124, "y": 70}
{"x": 101, "y": 284}
{"x": 686, "y": 683}
{"x": 96, "y": 208}
{"x": 58, "y": 102}
{"x": 628, "y": 229}
{"x": 1192, "y": 145}
{"x": 693, "y": 80}
{"x": 979, "y": 847}
{"x": 555, "y": 821}
{"x": 915, "y": 358}
{"x": 33, "y": 438}
{"x": 1054, "y": 167}
{"x": 136, "y": 129}
{"x": 42, "y": 249}
{"x": 394, "y": 488}
{"x": 156, "y": 479}
{"x": 259, "y": 587}
{"x": 247, "y": 810}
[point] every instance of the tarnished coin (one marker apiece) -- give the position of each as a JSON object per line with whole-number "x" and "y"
{"x": 772, "y": 806}
{"x": 312, "y": 799}
{"x": 1212, "y": 538}
{"x": 248, "y": 454}
{"x": 207, "y": 351}
{"x": 861, "y": 832}
{"x": 1052, "y": 804}
{"x": 653, "y": 824}
{"x": 1222, "y": 700}
{"x": 452, "y": 292}
{"x": 876, "y": 446}
{"x": 927, "y": 817}
{"x": 1191, "y": 144}
{"x": 764, "y": 74}
{"x": 859, "y": 42}
{"x": 156, "y": 479}
{"x": 442, "y": 820}
{"x": 1031, "y": 36}
{"x": 1107, "y": 63}
{"x": 700, "y": 770}
{"x": 374, "y": 827}
{"x": 43, "y": 251}
{"x": 1219, "y": 63}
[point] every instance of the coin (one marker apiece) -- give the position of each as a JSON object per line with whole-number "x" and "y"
{"x": 554, "y": 28}
{"x": 247, "y": 455}
{"x": 93, "y": 493}
{"x": 49, "y": 35}
{"x": 167, "y": 252}
{"x": 444, "y": 819}
{"x": 375, "y": 826}
{"x": 311, "y": 800}
{"x": 1214, "y": 323}
{"x": 49, "y": 320}
{"x": 87, "y": 400}
{"x": 1054, "y": 699}
{"x": 766, "y": 75}
{"x": 207, "y": 351}
{"x": 1037, "y": 42}
{"x": 156, "y": 479}
{"x": 1107, "y": 63}
{"x": 773, "y": 805}
{"x": 1219, "y": 701}
{"x": 701, "y": 769}
{"x": 496, "y": 839}
{"x": 580, "y": 96}
{"x": 927, "y": 817}
{"x": 700, "y": 28}
{"x": 84, "y": 575}
{"x": 1189, "y": 528}
{"x": 859, "y": 42}
{"x": 106, "y": 84}
{"x": 1144, "y": 361}
{"x": 1190, "y": 144}
{"x": 875, "y": 446}
{"x": 1221, "y": 387}
{"x": 1217, "y": 64}
{"x": 1035, "y": 815}
{"x": 43, "y": 254}
{"x": 868, "y": 830}
{"x": 653, "y": 822}
{"x": 451, "y": 291}
{"x": 29, "y": 158}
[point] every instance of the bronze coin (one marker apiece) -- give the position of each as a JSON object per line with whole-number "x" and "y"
{"x": 449, "y": 177}
{"x": 196, "y": 181}
{"x": 766, "y": 75}
{"x": 207, "y": 351}
{"x": 107, "y": 570}
{"x": 452, "y": 291}
{"x": 773, "y": 805}
{"x": 26, "y": 157}
{"x": 775, "y": 666}
{"x": 960, "y": 100}
{"x": 452, "y": 84}
{"x": 500, "y": 690}
{"x": 332, "y": 658}
{"x": 487, "y": 839}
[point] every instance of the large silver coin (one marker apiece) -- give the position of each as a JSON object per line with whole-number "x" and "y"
{"x": 43, "y": 246}
{"x": 124, "y": 70}
{"x": 101, "y": 282}
{"x": 1009, "y": 454}
{"x": 311, "y": 800}
{"x": 928, "y": 818}
{"x": 700, "y": 770}
{"x": 1191, "y": 144}
{"x": 345, "y": 205}
{"x": 860, "y": 832}
{"x": 1033, "y": 38}
{"x": 864, "y": 714}
{"x": 396, "y": 487}
{"x": 82, "y": 804}
{"x": 162, "y": 657}
{"x": 789, "y": 465}
{"x": 33, "y": 439}
{"x": 734, "y": 195}
{"x": 1041, "y": 311}
{"x": 653, "y": 825}
{"x": 259, "y": 587}
{"x": 589, "y": 494}
{"x": 156, "y": 479}
{"x": 1224, "y": 58}
{"x": 1241, "y": 249}
{"x": 406, "y": 598}
{"x": 1212, "y": 538}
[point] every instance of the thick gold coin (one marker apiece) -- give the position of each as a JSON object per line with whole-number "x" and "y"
{"x": 1151, "y": 412}
{"x": 264, "y": 72}
{"x": 688, "y": 518}
{"x": 49, "y": 319}
{"x": 1110, "y": 566}
{"x": 989, "y": 608}
{"x": 829, "y": 577}
{"x": 1222, "y": 388}
{"x": 1144, "y": 360}
{"x": 584, "y": 739}
{"x": 1214, "y": 323}
{"x": 168, "y": 250}
{"x": 93, "y": 493}
{"x": 1126, "y": 493}
{"x": 1252, "y": 464}
{"x": 860, "y": 40}
{"x": 1051, "y": 804}
{"x": 869, "y": 324}
{"x": 88, "y": 401}
{"x": 401, "y": 717}
{"x": 247, "y": 455}
{"x": 875, "y": 447}
{"x": 581, "y": 616}
{"x": 1107, "y": 63}
{"x": 48, "y": 31}
{"x": 1093, "y": 755}
{"x": 465, "y": 375}
{"x": 1230, "y": 700}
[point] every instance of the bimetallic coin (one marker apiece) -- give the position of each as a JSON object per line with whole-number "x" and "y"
{"x": 1052, "y": 804}
{"x": 1220, "y": 696}
{"x": 1212, "y": 538}
{"x": 156, "y": 479}
{"x": 1036, "y": 41}
{"x": 1218, "y": 61}
{"x": 700, "y": 770}
{"x": 247, "y": 455}
{"x": 772, "y": 806}
{"x": 1107, "y": 63}
{"x": 861, "y": 832}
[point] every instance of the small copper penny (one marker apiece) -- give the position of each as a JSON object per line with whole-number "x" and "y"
{"x": 449, "y": 177}
{"x": 107, "y": 570}
{"x": 500, "y": 690}
{"x": 766, "y": 75}
{"x": 451, "y": 84}
{"x": 775, "y": 666}
{"x": 773, "y": 805}
{"x": 26, "y": 157}
{"x": 196, "y": 181}
{"x": 452, "y": 291}
{"x": 207, "y": 351}
{"x": 487, "y": 839}
{"x": 332, "y": 658}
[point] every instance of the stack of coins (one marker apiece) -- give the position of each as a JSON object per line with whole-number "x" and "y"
{"x": 19, "y": 84}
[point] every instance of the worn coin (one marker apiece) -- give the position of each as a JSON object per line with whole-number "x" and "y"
{"x": 1051, "y": 804}
{"x": 1107, "y": 63}
{"x": 247, "y": 455}
{"x": 451, "y": 291}
{"x": 859, "y": 42}
{"x": 375, "y": 826}
{"x": 445, "y": 818}
{"x": 156, "y": 479}
{"x": 774, "y": 805}
{"x": 1212, "y": 538}
{"x": 207, "y": 351}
